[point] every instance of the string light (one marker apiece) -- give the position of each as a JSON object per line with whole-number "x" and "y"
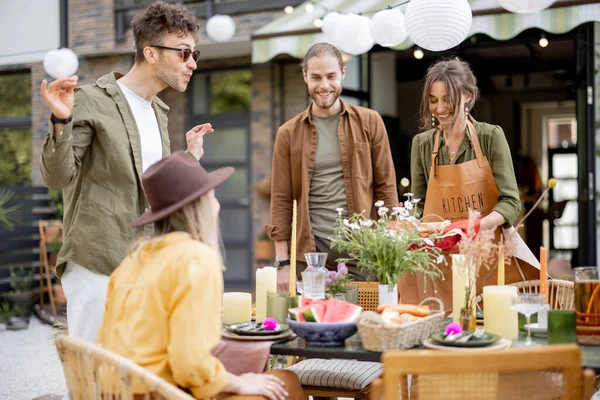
{"x": 404, "y": 182}
{"x": 288, "y": 9}
{"x": 318, "y": 23}
{"x": 309, "y": 7}
{"x": 543, "y": 41}
{"x": 418, "y": 53}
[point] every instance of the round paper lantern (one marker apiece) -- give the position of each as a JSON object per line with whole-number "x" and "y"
{"x": 438, "y": 25}
{"x": 329, "y": 22}
{"x": 220, "y": 28}
{"x": 525, "y": 6}
{"x": 61, "y": 63}
{"x": 352, "y": 34}
{"x": 388, "y": 28}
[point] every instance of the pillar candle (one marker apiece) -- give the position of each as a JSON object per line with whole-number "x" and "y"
{"x": 498, "y": 315}
{"x": 266, "y": 280}
{"x": 237, "y": 307}
{"x": 500, "y": 267}
{"x": 292, "y": 285}
{"x": 544, "y": 272}
{"x": 458, "y": 286}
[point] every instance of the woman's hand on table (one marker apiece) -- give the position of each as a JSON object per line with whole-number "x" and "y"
{"x": 251, "y": 384}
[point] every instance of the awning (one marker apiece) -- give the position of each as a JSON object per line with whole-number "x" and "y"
{"x": 294, "y": 33}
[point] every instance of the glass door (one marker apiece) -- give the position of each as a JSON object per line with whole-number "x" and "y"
{"x": 223, "y": 99}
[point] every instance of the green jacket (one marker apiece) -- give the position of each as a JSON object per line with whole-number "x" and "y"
{"x": 493, "y": 145}
{"x": 97, "y": 162}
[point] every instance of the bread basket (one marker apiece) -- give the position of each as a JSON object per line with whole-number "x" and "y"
{"x": 376, "y": 336}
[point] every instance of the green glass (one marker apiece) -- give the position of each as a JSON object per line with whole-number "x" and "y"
{"x": 561, "y": 326}
{"x": 278, "y": 305}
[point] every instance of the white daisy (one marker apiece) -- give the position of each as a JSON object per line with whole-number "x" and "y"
{"x": 382, "y": 211}
{"x": 379, "y": 203}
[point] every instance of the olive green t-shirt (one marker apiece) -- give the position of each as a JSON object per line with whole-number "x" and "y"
{"x": 327, "y": 191}
{"x": 493, "y": 145}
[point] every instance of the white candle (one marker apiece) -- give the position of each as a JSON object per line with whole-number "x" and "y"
{"x": 498, "y": 315}
{"x": 237, "y": 307}
{"x": 458, "y": 286}
{"x": 266, "y": 280}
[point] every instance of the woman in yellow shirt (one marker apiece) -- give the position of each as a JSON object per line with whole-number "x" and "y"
{"x": 163, "y": 308}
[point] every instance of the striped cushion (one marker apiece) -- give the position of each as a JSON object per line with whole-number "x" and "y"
{"x": 338, "y": 374}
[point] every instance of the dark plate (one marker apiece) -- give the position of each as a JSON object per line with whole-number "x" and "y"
{"x": 485, "y": 340}
{"x": 254, "y": 329}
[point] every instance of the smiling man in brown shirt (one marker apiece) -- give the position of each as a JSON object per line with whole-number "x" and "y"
{"x": 332, "y": 155}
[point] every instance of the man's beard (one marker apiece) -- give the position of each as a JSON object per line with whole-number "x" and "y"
{"x": 170, "y": 79}
{"x": 326, "y": 103}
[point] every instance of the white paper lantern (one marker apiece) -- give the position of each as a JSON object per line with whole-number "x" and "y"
{"x": 438, "y": 25}
{"x": 352, "y": 34}
{"x": 525, "y": 6}
{"x": 388, "y": 28}
{"x": 61, "y": 63}
{"x": 220, "y": 28}
{"x": 328, "y": 28}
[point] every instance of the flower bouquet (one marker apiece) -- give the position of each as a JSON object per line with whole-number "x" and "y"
{"x": 389, "y": 246}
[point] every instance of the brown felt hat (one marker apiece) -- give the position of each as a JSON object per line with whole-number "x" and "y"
{"x": 175, "y": 181}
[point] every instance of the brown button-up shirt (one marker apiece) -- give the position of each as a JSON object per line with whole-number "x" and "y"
{"x": 366, "y": 161}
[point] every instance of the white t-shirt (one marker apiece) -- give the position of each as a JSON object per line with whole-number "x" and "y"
{"x": 147, "y": 125}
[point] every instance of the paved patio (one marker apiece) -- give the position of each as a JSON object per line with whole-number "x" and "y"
{"x": 29, "y": 364}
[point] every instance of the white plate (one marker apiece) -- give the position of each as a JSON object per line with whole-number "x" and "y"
{"x": 536, "y": 330}
{"x": 500, "y": 344}
{"x": 283, "y": 335}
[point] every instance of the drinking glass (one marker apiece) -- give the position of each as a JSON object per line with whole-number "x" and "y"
{"x": 278, "y": 305}
{"x": 587, "y": 300}
{"x": 528, "y": 304}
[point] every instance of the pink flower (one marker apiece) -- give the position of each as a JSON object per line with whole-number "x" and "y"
{"x": 270, "y": 324}
{"x": 453, "y": 328}
{"x": 342, "y": 269}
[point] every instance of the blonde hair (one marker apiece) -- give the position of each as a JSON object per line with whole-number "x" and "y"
{"x": 457, "y": 77}
{"x": 320, "y": 50}
{"x": 197, "y": 218}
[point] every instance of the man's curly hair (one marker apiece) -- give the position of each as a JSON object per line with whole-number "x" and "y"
{"x": 157, "y": 21}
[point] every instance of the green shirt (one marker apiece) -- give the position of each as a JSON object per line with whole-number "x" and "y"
{"x": 327, "y": 192}
{"x": 493, "y": 145}
{"x": 97, "y": 162}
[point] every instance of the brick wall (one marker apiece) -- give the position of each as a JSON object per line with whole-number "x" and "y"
{"x": 91, "y": 26}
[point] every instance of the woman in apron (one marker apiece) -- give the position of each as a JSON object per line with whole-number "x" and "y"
{"x": 459, "y": 164}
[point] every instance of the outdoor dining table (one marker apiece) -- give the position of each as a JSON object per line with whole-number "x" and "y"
{"x": 353, "y": 350}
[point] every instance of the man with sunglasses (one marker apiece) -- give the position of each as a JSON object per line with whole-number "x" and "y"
{"x": 101, "y": 138}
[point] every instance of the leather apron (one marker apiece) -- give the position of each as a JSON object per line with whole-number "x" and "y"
{"x": 452, "y": 190}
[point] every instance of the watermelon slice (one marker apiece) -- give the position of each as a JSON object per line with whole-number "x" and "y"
{"x": 314, "y": 312}
{"x": 311, "y": 311}
{"x": 340, "y": 311}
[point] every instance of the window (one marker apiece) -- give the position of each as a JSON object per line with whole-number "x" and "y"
{"x": 15, "y": 129}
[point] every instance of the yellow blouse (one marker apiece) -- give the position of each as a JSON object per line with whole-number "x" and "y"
{"x": 163, "y": 311}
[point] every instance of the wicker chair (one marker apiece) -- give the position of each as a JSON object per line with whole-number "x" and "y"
{"x": 93, "y": 372}
{"x": 552, "y": 372}
{"x": 368, "y": 299}
{"x": 561, "y": 294}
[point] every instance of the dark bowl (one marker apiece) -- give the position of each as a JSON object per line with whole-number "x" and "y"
{"x": 326, "y": 334}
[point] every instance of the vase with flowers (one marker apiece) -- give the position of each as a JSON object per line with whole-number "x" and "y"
{"x": 338, "y": 284}
{"x": 478, "y": 256}
{"x": 388, "y": 246}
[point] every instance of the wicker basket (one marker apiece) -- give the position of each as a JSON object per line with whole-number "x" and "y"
{"x": 378, "y": 337}
{"x": 584, "y": 335}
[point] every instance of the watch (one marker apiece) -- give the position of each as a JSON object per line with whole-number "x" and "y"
{"x": 281, "y": 263}
{"x": 55, "y": 120}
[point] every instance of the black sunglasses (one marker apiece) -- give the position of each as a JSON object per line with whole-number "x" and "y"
{"x": 186, "y": 53}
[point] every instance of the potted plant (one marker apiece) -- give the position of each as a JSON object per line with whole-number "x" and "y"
{"x": 388, "y": 246}
{"x": 23, "y": 296}
{"x": 6, "y": 212}
{"x": 7, "y": 311}
{"x": 337, "y": 283}
{"x": 264, "y": 248}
